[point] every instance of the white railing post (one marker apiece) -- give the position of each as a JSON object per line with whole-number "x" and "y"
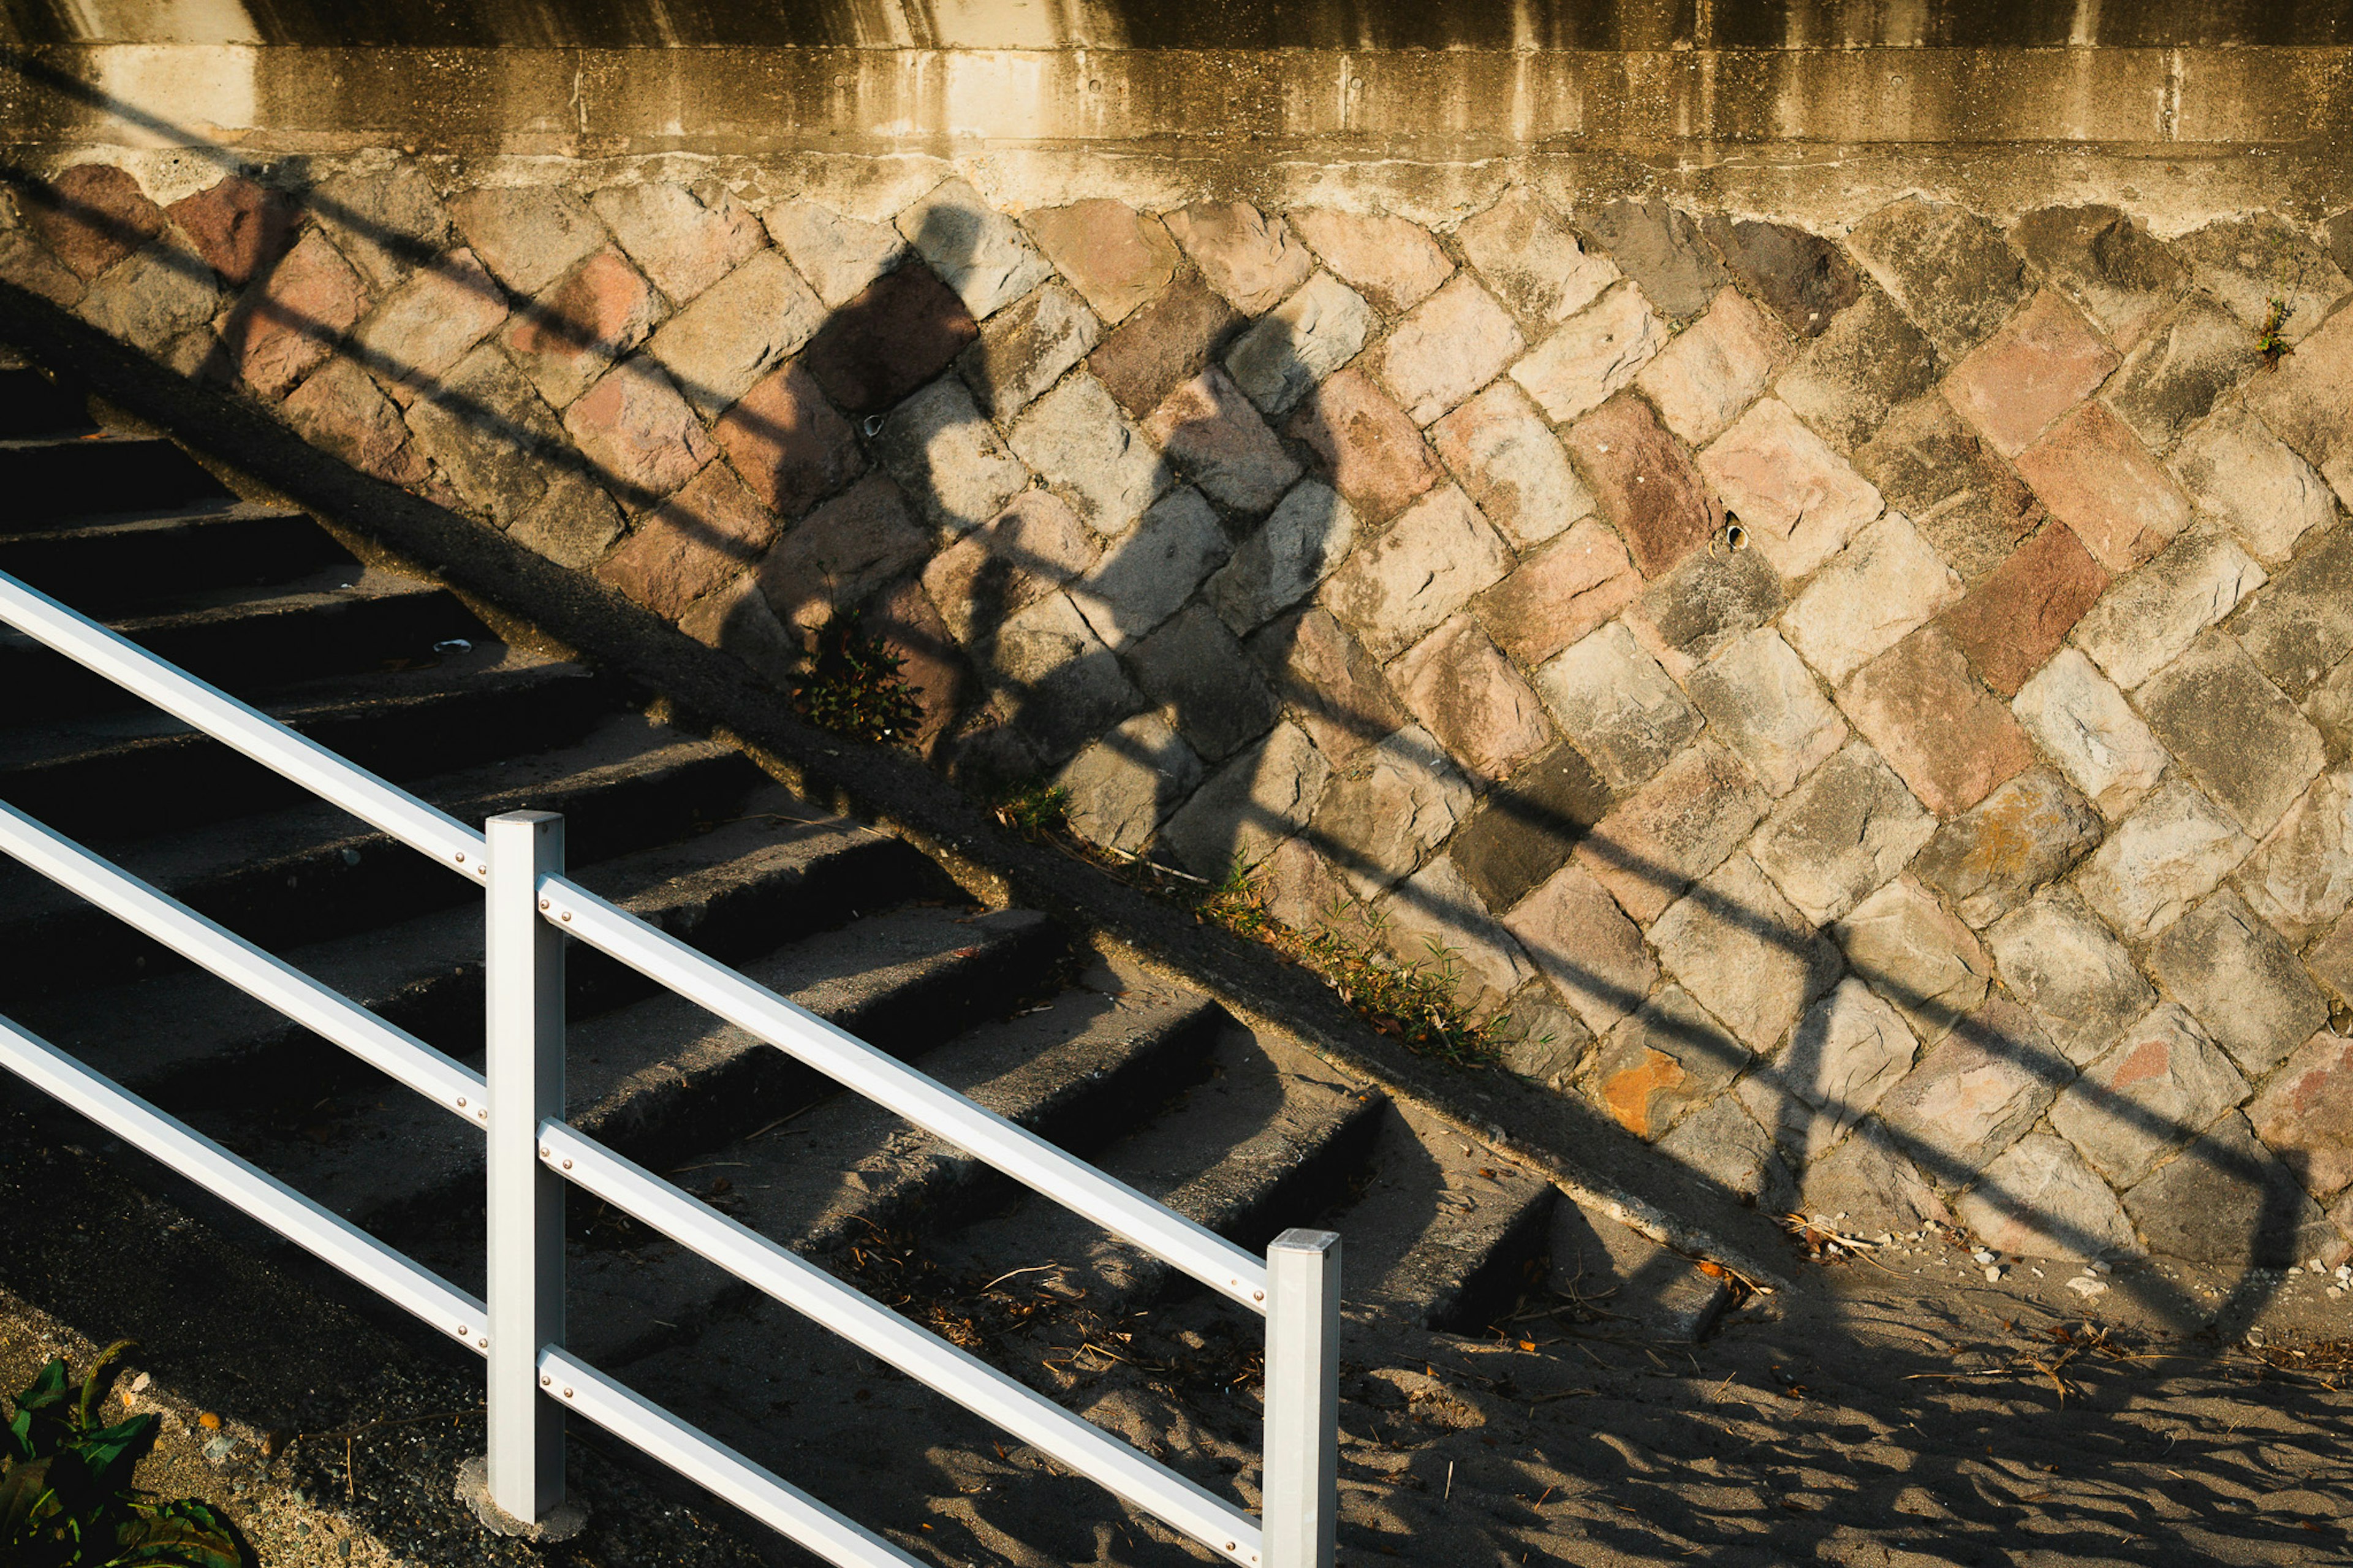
{"x": 525, "y": 986}
{"x": 1302, "y": 1459}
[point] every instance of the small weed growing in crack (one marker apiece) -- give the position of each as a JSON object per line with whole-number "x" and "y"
{"x": 2269, "y": 343}
{"x": 852, "y": 686}
{"x": 1034, "y": 810}
{"x": 1416, "y": 1001}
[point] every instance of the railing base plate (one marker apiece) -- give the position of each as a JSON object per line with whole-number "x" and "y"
{"x": 568, "y": 1520}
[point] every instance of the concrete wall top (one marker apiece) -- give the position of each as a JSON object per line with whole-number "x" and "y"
{"x": 1192, "y": 24}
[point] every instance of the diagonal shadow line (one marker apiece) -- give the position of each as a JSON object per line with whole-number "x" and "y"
{"x": 2040, "y": 1065}
{"x": 2281, "y": 1194}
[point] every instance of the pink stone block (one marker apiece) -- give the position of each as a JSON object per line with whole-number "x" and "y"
{"x": 2043, "y": 362}
{"x": 1941, "y": 732}
{"x": 635, "y": 427}
{"x": 278, "y": 332}
{"x": 2095, "y": 477}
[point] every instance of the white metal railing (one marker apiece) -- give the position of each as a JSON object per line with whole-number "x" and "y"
{"x": 532, "y": 1154}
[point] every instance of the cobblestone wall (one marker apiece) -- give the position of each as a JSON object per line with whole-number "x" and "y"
{"x": 1875, "y": 705}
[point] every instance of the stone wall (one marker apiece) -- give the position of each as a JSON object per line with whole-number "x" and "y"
{"x": 1874, "y": 701}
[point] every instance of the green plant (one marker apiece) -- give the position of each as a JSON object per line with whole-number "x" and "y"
{"x": 2269, "y": 343}
{"x": 1032, "y": 809}
{"x": 853, "y": 688}
{"x": 66, "y": 1496}
{"x": 1415, "y": 1001}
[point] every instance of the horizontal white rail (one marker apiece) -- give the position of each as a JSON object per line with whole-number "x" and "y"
{"x": 893, "y": 1085}
{"x": 766, "y": 1497}
{"x": 1110, "y": 1461}
{"x": 241, "y": 727}
{"x": 308, "y": 1224}
{"x": 328, "y": 1014}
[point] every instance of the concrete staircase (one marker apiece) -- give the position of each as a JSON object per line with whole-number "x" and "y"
{"x": 1244, "y": 1130}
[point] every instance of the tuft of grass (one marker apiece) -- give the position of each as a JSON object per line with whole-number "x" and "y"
{"x": 2269, "y": 343}
{"x": 852, "y": 686}
{"x": 1417, "y": 1002}
{"x": 1035, "y": 809}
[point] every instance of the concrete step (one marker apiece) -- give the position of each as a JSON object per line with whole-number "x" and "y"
{"x": 146, "y": 563}
{"x": 1268, "y": 1140}
{"x": 660, "y": 1081}
{"x": 1078, "y": 1072}
{"x": 32, "y": 404}
{"x": 94, "y": 776}
{"x": 55, "y": 477}
{"x": 198, "y": 1045}
{"x": 1445, "y": 1233}
{"x": 310, "y": 873}
{"x": 251, "y": 646}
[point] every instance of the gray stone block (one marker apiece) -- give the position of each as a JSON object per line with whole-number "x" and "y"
{"x": 975, "y": 250}
{"x": 1993, "y": 857}
{"x": 2228, "y": 1199}
{"x": 1421, "y": 569}
{"x": 1526, "y": 828}
{"x": 1079, "y": 440}
{"x": 1612, "y": 700}
{"x": 1975, "y": 1093}
{"x": 2301, "y": 879}
{"x": 2084, "y": 724}
{"x": 2245, "y": 741}
{"x": 2038, "y": 1199}
{"x": 1723, "y": 1143}
{"x": 2150, "y": 617}
{"x": 736, "y": 330}
{"x": 948, "y": 459}
{"x": 2159, "y": 1086}
{"x": 1768, "y": 709}
{"x": 1333, "y": 687}
{"x": 2239, "y": 980}
{"x": 1122, "y": 786}
{"x": 1847, "y": 829}
{"x": 1249, "y": 806}
{"x": 1870, "y": 363}
{"x": 1436, "y": 917}
{"x": 1704, "y": 606}
{"x": 1387, "y": 809}
{"x": 1580, "y": 942}
{"x": 1204, "y": 683}
{"x": 1663, "y": 250}
{"x": 2160, "y": 860}
{"x": 2188, "y": 359}
{"x": 1845, "y": 1054}
{"x": 1299, "y": 342}
{"x": 489, "y": 436}
{"x": 2120, "y": 273}
{"x": 1802, "y": 278}
{"x": 681, "y": 243}
{"x": 1286, "y": 558}
{"x": 1143, "y": 578}
{"x": 1735, "y": 944}
{"x": 1969, "y": 505}
{"x": 1025, "y": 349}
{"x": 1064, "y": 686}
{"x": 1911, "y": 950}
{"x": 528, "y": 235}
{"x": 2058, "y": 959}
{"x": 1950, "y": 270}
{"x": 2300, "y": 626}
